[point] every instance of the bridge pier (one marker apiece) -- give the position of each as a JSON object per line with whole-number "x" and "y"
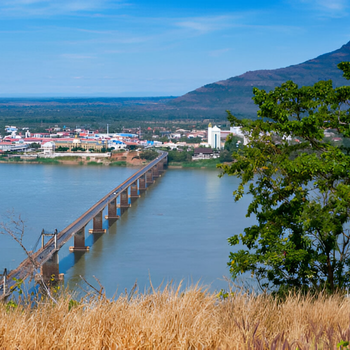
{"x": 124, "y": 199}
{"x": 50, "y": 271}
{"x": 160, "y": 166}
{"x": 112, "y": 212}
{"x": 155, "y": 171}
{"x": 97, "y": 224}
{"x": 79, "y": 242}
{"x": 149, "y": 177}
{"x": 134, "y": 190}
{"x": 142, "y": 183}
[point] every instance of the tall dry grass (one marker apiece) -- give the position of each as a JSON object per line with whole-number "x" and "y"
{"x": 172, "y": 319}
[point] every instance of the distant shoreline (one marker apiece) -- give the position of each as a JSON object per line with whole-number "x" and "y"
{"x": 80, "y": 161}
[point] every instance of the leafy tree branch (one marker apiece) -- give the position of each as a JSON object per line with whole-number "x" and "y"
{"x": 300, "y": 188}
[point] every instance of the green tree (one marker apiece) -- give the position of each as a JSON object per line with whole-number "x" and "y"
{"x": 34, "y": 145}
{"x": 149, "y": 155}
{"x": 225, "y": 156}
{"x": 179, "y": 156}
{"x": 300, "y": 188}
{"x": 233, "y": 142}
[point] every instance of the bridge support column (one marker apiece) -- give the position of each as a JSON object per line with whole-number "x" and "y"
{"x": 50, "y": 271}
{"x": 149, "y": 177}
{"x": 97, "y": 224}
{"x": 155, "y": 171}
{"x": 142, "y": 183}
{"x": 160, "y": 168}
{"x": 112, "y": 211}
{"x": 124, "y": 199}
{"x": 134, "y": 195}
{"x": 79, "y": 242}
{"x": 133, "y": 190}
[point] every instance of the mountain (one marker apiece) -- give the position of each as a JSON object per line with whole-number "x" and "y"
{"x": 235, "y": 93}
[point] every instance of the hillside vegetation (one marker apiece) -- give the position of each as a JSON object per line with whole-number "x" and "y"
{"x": 236, "y": 93}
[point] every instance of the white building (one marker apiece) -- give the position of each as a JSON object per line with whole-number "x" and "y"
{"x": 48, "y": 148}
{"x": 214, "y": 138}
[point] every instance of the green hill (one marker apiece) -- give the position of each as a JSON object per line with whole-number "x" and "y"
{"x": 235, "y": 93}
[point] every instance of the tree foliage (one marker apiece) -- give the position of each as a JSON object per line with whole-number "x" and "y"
{"x": 148, "y": 155}
{"x": 300, "y": 188}
{"x": 179, "y": 156}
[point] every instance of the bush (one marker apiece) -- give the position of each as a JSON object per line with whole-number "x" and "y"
{"x": 62, "y": 149}
{"x": 94, "y": 163}
{"x": 118, "y": 163}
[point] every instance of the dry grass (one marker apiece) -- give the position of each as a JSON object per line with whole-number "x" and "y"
{"x": 171, "y": 319}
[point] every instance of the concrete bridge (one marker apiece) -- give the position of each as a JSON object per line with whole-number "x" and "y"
{"x": 46, "y": 258}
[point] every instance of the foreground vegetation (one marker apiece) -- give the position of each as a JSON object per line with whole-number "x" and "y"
{"x": 172, "y": 319}
{"x": 300, "y": 188}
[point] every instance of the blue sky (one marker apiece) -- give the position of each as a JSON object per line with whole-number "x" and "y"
{"x": 156, "y": 48}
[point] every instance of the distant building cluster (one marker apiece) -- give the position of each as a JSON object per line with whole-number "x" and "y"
{"x": 69, "y": 140}
{"x": 206, "y": 143}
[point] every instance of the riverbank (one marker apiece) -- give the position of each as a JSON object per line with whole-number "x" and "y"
{"x": 199, "y": 164}
{"x": 172, "y": 319}
{"x": 129, "y": 159}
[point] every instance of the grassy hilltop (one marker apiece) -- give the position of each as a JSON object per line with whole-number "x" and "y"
{"x": 172, "y": 319}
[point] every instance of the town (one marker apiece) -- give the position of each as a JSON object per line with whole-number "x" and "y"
{"x": 63, "y": 141}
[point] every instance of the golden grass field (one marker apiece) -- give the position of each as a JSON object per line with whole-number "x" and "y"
{"x": 173, "y": 319}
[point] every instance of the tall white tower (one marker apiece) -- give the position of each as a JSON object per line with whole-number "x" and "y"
{"x": 215, "y": 138}
{"x": 210, "y": 128}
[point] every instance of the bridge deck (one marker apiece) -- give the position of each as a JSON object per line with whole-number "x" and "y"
{"x": 26, "y": 268}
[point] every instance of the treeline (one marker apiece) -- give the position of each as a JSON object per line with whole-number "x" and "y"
{"x": 95, "y": 113}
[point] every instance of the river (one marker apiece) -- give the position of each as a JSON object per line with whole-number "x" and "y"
{"x": 176, "y": 231}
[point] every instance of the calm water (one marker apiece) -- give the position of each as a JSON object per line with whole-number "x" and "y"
{"x": 177, "y": 230}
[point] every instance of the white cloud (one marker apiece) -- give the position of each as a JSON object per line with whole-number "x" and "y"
{"x": 206, "y": 24}
{"x": 337, "y": 5}
{"x": 29, "y": 8}
{"x": 328, "y": 8}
